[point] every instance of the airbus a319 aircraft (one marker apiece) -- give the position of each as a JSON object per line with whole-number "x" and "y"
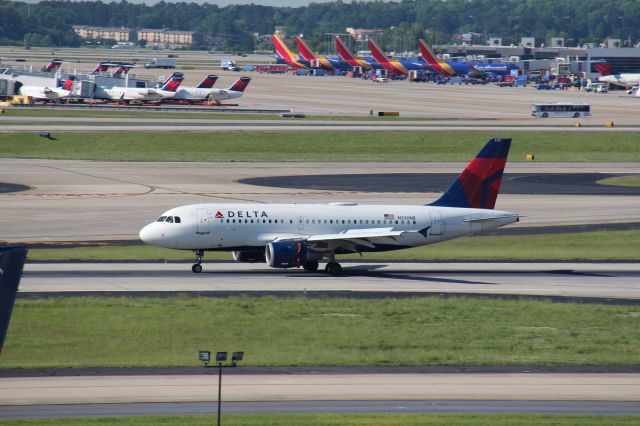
{"x": 301, "y": 235}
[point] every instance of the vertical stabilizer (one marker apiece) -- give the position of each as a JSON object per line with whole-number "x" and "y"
{"x": 240, "y": 84}
{"x": 11, "y": 262}
{"x": 479, "y": 183}
{"x": 208, "y": 82}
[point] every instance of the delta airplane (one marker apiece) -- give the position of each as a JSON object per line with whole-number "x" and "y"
{"x": 609, "y": 75}
{"x": 452, "y": 68}
{"x": 286, "y": 55}
{"x": 127, "y": 94}
{"x": 394, "y": 65}
{"x": 318, "y": 61}
{"x": 301, "y": 235}
{"x": 366, "y": 64}
{"x": 46, "y": 93}
{"x": 205, "y": 91}
{"x": 52, "y": 66}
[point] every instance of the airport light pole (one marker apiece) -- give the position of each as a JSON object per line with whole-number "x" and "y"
{"x": 205, "y": 356}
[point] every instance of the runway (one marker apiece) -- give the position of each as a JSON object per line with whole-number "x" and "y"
{"x": 600, "y": 281}
{"x": 102, "y": 191}
{"x": 603, "y": 393}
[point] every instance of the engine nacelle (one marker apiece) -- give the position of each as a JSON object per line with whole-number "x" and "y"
{"x": 248, "y": 256}
{"x": 286, "y": 254}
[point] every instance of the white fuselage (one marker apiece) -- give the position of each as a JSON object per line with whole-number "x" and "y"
{"x": 133, "y": 94}
{"x": 253, "y": 226}
{"x": 200, "y": 94}
{"x": 46, "y": 93}
{"x": 625, "y": 79}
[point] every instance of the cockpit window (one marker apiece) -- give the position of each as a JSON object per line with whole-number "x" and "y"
{"x": 176, "y": 219}
{"x": 161, "y": 219}
{"x": 169, "y": 219}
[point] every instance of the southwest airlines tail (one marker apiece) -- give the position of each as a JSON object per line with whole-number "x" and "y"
{"x": 287, "y": 55}
{"x": 479, "y": 183}
{"x": 208, "y": 82}
{"x": 350, "y": 58}
{"x": 240, "y": 84}
{"x": 11, "y": 262}
{"x": 305, "y": 50}
{"x": 440, "y": 66}
{"x": 377, "y": 53}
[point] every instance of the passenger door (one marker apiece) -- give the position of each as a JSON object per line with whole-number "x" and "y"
{"x": 203, "y": 221}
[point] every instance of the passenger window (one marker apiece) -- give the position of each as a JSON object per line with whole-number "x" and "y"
{"x": 367, "y": 222}
{"x": 396, "y": 222}
{"x": 234, "y": 221}
{"x": 414, "y": 222}
{"x": 227, "y": 220}
{"x": 251, "y": 220}
{"x": 275, "y": 221}
{"x": 269, "y": 220}
{"x": 290, "y": 220}
{"x": 161, "y": 219}
{"x": 331, "y": 221}
{"x": 169, "y": 219}
{"x": 343, "y": 222}
{"x": 177, "y": 219}
{"x": 264, "y": 220}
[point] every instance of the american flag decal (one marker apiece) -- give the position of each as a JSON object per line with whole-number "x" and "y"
{"x": 389, "y": 216}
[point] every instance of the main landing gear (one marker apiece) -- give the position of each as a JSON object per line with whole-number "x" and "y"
{"x": 197, "y": 267}
{"x": 333, "y": 268}
{"x": 311, "y": 266}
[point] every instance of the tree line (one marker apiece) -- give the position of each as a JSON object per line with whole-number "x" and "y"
{"x": 48, "y": 23}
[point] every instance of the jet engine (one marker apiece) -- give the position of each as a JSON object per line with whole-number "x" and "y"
{"x": 248, "y": 256}
{"x": 286, "y": 254}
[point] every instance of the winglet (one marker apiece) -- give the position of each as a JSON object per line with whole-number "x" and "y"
{"x": 479, "y": 183}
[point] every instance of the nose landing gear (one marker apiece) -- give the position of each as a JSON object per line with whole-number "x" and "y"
{"x": 197, "y": 267}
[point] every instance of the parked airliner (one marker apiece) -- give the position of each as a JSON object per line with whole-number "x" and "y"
{"x": 206, "y": 92}
{"x": 611, "y": 76}
{"x": 301, "y": 235}
{"x": 46, "y": 93}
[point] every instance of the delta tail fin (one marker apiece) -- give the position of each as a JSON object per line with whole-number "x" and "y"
{"x": 479, "y": 183}
{"x": 604, "y": 68}
{"x": 52, "y": 66}
{"x": 208, "y": 82}
{"x": 240, "y": 84}
{"x": 68, "y": 84}
{"x": 173, "y": 83}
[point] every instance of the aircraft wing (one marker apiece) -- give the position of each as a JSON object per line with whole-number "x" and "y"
{"x": 350, "y": 239}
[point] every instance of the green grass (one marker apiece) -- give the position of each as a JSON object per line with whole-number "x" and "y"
{"x": 621, "y": 245}
{"x": 341, "y": 419}
{"x": 124, "y": 331}
{"x": 316, "y": 146}
{"x": 621, "y": 181}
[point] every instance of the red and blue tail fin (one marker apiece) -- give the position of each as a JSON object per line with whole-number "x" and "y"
{"x": 479, "y": 183}
{"x": 240, "y": 84}
{"x": 173, "y": 83}
{"x": 208, "y": 82}
{"x": 52, "y": 66}
{"x": 604, "y": 68}
{"x": 68, "y": 84}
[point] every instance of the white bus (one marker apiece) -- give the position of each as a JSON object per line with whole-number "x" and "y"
{"x": 561, "y": 110}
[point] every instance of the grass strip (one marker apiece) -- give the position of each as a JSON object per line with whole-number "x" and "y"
{"x": 123, "y": 331}
{"x": 316, "y": 146}
{"x": 621, "y": 245}
{"x": 621, "y": 181}
{"x": 340, "y": 419}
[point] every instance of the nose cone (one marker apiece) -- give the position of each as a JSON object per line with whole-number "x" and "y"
{"x": 149, "y": 235}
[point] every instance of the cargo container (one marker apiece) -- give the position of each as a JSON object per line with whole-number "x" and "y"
{"x": 166, "y": 63}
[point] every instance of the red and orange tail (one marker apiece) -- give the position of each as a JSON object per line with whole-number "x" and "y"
{"x": 282, "y": 50}
{"x": 305, "y": 50}
{"x": 208, "y": 82}
{"x": 377, "y": 53}
{"x": 345, "y": 53}
{"x": 479, "y": 183}
{"x": 433, "y": 61}
{"x": 240, "y": 84}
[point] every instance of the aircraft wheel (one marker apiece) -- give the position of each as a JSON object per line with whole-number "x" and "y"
{"x": 333, "y": 268}
{"x": 196, "y": 268}
{"x": 311, "y": 266}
